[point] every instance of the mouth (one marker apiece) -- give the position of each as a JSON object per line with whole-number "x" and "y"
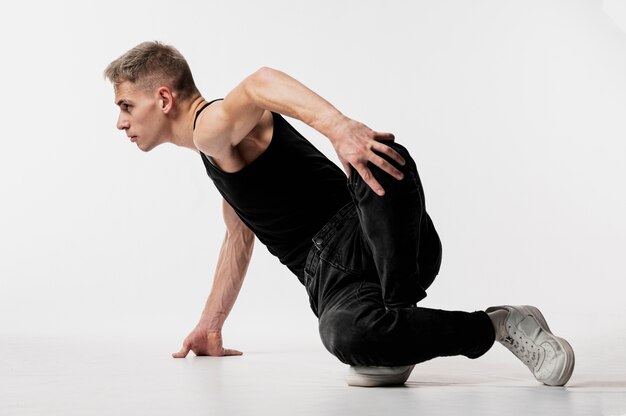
{"x": 133, "y": 138}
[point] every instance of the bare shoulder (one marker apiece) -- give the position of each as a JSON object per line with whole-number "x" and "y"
{"x": 211, "y": 132}
{"x": 229, "y": 121}
{"x": 231, "y": 157}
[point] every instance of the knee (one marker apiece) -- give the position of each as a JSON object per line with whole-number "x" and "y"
{"x": 342, "y": 337}
{"x": 402, "y": 151}
{"x": 360, "y": 338}
{"x": 409, "y": 169}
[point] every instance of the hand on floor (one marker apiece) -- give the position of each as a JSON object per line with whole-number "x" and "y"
{"x": 204, "y": 342}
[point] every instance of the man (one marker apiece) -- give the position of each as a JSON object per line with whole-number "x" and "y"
{"x": 361, "y": 243}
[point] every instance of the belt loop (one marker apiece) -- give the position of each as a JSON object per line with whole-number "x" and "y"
{"x": 318, "y": 241}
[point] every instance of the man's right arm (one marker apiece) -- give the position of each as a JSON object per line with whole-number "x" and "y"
{"x": 225, "y": 124}
{"x": 232, "y": 265}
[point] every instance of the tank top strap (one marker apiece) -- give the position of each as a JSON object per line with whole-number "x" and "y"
{"x": 202, "y": 108}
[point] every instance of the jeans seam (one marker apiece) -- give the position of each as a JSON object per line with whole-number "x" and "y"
{"x": 340, "y": 267}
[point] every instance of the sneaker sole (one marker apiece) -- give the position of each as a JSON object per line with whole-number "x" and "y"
{"x": 364, "y": 376}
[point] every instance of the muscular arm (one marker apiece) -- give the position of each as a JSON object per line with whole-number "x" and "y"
{"x": 228, "y": 122}
{"x": 232, "y": 265}
{"x": 231, "y": 269}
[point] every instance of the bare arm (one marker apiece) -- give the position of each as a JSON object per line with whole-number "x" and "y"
{"x": 232, "y": 265}
{"x": 231, "y": 120}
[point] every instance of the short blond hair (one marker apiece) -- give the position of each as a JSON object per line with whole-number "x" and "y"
{"x": 153, "y": 64}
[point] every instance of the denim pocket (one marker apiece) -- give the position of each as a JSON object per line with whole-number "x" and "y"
{"x": 345, "y": 250}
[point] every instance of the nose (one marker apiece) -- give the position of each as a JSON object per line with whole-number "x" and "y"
{"x": 122, "y": 123}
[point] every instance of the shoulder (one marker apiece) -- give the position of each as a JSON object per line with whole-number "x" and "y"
{"x": 208, "y": 113}
{"x": 211, "y": 132}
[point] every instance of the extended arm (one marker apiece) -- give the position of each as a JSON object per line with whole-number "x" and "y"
{"x": 228, "y": 122}
{"x": 234, "y": 258}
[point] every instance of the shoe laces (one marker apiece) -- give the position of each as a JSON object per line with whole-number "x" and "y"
{"x": 522, "y": 347}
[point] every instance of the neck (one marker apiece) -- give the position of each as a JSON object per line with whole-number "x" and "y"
{"x": 183, "y": 125}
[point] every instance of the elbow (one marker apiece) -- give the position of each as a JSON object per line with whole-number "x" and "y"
{"x": 259, "y": 80}
{"x": 264, "y": 74}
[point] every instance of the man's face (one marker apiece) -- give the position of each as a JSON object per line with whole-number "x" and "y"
{"x": 140, "y": 115}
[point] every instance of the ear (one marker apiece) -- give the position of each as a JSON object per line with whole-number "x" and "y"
{"x": 166, "y": 99}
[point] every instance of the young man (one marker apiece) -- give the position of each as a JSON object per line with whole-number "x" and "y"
{"x": 361, "y": 243}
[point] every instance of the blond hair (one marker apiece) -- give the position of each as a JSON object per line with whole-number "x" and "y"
{"x": 153, "y": 64}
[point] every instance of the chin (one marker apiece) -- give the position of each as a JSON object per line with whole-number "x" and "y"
{"x": 146, "y": 147}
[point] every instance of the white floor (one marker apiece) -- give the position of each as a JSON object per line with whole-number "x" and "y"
{"x": 54, "y": 376}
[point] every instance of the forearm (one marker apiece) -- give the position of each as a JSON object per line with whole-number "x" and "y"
{"x": 278, "y": 92}
{"x": 230, "y": 272}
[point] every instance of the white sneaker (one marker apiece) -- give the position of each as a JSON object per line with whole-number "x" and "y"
{"x": 526, "y": 334}
{"x": 372, "y": 376}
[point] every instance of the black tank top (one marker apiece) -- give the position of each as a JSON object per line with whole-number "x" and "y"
{"x": 285, "y": 195}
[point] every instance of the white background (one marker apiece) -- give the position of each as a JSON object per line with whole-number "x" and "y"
{"x": 513, "y": 110}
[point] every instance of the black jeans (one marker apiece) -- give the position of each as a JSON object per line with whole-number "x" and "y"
{"x": 370, "y": 265}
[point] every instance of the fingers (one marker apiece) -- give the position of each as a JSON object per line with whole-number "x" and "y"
{"x": 384, "y": 136}
{"x": 183, "y": 352}
{"x": 387, "y": 167}
{"x": 232, "y": 352}
{"x": 388, "y": 151}
{"x": 382, "y": 163}
{"x": 369, "y": 179}
{"x": 222, "y": 352}
{"x": 346, "y": 167}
